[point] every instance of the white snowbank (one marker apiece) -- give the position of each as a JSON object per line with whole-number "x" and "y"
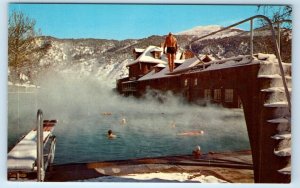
{"x": 26, "y": 85}
{"x": 159, "y": 177}
{"x": 23, "y": 155}
{"x": 284, "y": 152}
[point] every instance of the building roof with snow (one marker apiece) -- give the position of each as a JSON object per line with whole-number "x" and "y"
{"x": 139, "y": 50}
{"x": 184, "y": 64}
{"x": 147, "y": 57}
{"x": 153, "y": 75}
{"x": 187, "y": 63}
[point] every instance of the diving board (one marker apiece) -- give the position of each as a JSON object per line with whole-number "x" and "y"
{"x": 22, "y": 159}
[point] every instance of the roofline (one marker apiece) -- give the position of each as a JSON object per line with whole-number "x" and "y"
{"x": 150, "y": 62}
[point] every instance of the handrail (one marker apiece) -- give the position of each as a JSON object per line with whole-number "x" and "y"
{"x": 40, "y": 146}
{"x": 274, "y": 40}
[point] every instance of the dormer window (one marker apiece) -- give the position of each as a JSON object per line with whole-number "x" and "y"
{"x": 206, "y": 59}
{"x": 137, "y": 52}
{"x": 159, "y": 67}
{"x": 156, "y": 53}
{"x": 187, "y": 55}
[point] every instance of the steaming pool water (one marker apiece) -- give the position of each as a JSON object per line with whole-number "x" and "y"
{"x": 152, "y": 128}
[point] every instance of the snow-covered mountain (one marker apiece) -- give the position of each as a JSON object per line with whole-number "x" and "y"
{"x": 107, "y": 59}
{"x": 99, "y": 58}
{"x": 88, "y": 57}
{"x": 204, "y": 30}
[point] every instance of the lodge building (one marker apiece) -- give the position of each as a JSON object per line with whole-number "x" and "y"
{"x": 150, "y": 70}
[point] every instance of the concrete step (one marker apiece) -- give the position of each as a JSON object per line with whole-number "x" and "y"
{"x": 280, "y": 104}
{"x": 282, "y": 124}
{"x": 274, "y": 94}
{"x": 273, "y": 111}
{"x": 271, "y": 81}
{"x": 279, "y": 120}
{"x": 286, "y": 170}
{"x": 273, "y": 68}
{"x": 281, "y": 136}
{"x": 276, "y": 90}
{"x": 273, "y": 76}
{"x": 283, "y": 152}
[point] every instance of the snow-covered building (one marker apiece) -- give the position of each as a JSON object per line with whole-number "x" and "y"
{"x": 150, "y": 70}
{"x": 147, "y": 59}
{"x": 151, "y": 63}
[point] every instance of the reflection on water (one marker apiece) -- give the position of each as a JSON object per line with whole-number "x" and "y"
{"x": 87, "y": 111}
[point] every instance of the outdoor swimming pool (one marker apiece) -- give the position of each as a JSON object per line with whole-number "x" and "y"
{"x": 151, "y": 127}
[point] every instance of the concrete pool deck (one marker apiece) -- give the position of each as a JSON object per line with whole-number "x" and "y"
{"x": 235, "y": 167}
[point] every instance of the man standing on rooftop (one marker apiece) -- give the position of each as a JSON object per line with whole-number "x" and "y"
{"x": 171, "y": 44}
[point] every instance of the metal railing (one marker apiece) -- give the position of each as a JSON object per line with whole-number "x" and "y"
{"x": 40, "y": 146}
{"x": 275, "y": 42}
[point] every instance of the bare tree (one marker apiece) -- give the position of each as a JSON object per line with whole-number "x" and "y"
{"x": 276, "y": 13}
{"x": 23, "y": 49}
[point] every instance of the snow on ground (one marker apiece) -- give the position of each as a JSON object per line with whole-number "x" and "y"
{"x": 159, "y": 177}
{"x": 204, "y": 30}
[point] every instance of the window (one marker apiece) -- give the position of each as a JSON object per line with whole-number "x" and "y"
{"x": 207, "y": 94}
{"x": 228, "y": 95}
{"x": 186, "y": 82}
{"x": 195, "y": 82}
{"x": 217, "y": 94}
{"x": 157, "y": 55}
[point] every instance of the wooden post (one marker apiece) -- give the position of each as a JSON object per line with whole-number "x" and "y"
{"x": 278, "y": 36}
{"x": 251, "y": 37}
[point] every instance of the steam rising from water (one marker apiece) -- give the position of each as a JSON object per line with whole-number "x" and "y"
{"x": 82, "y": 105}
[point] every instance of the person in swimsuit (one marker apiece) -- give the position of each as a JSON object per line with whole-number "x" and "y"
{"x": 110, "y": 134}
{"x": 171, "y": 44}
{"x": 197, "y": 152}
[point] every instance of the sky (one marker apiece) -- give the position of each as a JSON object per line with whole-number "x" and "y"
{"x": 127, "y": 21}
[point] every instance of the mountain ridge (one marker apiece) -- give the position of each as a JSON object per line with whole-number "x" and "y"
{"x": 107, "y": 59}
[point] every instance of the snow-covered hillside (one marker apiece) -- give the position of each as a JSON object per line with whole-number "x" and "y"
{"x": 83, "y": 59}
{"x": 107, "y": 59}
{"x": 101, "y": 59}
{"x": 204, "y": 30}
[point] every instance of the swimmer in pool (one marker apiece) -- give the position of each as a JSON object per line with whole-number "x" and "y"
{"x": 197, "y": 152}
{"x": 123, "y": 121}
{"x": 110, "y": 134}
{"x": 192, "y": 133}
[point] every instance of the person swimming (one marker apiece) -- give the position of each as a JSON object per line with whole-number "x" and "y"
{"x": 123, "y": 121}
{"x": 110, "y": 134}
{"x": 192, "y": 133}
{"x": 197, "y": 152}
{"x": 106, "y": 113}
